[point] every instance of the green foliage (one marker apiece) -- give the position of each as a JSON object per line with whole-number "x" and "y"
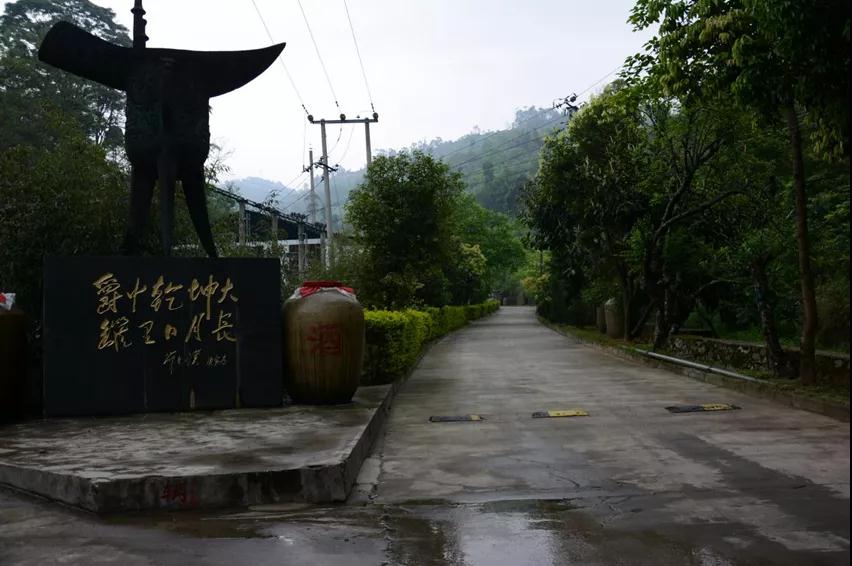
{"x": 30, "y": 92}
{"x": 496, "y": 165}
{"x": 61, "y": 199}
{"x": 403, "y": 219}
{"x": 667, "y": 204}
{"x": 423, "y": 241}
{"x": 496, "y": 238}
{"x": 394, "y": 339}
{"x": 768, "y": 54}
{"x": 391, "y": 337}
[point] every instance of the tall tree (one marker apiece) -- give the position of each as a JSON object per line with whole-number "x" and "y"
{"x": 780, "y": 57}
{"x": 30, "y": 90}
{"x": 403, "y": 216}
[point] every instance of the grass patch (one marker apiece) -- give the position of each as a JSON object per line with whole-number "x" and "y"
{"x": 828, "y": 392}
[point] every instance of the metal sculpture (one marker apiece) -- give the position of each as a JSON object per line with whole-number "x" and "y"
{"x": 167, "y": 135}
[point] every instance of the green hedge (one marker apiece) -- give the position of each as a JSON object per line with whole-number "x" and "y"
{"x": 394, "y": 338}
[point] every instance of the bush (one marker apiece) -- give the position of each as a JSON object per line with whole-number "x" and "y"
{"x": 391, "y": 337}
{"x": 452, "y": 318}
{"x": 472, "y": 312}
{"x": 394, "y": 339}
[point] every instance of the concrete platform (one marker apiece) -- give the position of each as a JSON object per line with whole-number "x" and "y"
{"x": 196, "y": 460}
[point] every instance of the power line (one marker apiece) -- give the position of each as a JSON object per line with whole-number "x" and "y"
{"x": 300, "y": 197}
{"x": 316, "y": 48}
{"x": 283, "y": 64}
{"x": 502, "y": 147}
{"x": 533, "y": 117}
{"x": 346, "y": 149}
{"x": 492, "y": 134}
{"x": 358, "y": 51}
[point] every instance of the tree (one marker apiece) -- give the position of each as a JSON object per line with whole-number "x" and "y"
{"x": 777, "y": 57}
{"x": 403, "y": 216}
{"x": 495, "y": 236}
{"x": 62, "y": 199}
{"x": 30, "y": 91}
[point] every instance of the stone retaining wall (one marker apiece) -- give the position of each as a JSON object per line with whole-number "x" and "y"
{"x": 734, "y": 354}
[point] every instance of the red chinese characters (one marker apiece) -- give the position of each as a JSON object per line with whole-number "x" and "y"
{"x": 325, "y": 339}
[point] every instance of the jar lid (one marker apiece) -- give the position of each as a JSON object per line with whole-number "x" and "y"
{"x": 310, "y": 287}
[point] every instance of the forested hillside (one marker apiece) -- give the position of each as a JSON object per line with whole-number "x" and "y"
{"x": 494, "y": 166}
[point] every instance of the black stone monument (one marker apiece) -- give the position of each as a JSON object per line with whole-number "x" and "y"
{"x": 131, "y": 335}
{"x": 128, "y": 334}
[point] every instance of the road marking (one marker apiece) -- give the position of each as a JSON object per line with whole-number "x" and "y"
{"x": 455, "y": 418}
{"x": 702, "y": 408}
{"x": 554, "y": 414}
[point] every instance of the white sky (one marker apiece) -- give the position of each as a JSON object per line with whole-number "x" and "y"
{"x": 436, "y": 68}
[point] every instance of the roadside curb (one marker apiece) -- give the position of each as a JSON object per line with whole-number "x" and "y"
{"x": 761, "y": 391}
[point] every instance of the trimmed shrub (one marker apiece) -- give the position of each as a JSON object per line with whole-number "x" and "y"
{"x": 490, "y": 306}
{"x": 394, "y": 339}
{"x": 436, "y": 329}
{"x": 390, "y": 339}
{"x": 453, "y": 318}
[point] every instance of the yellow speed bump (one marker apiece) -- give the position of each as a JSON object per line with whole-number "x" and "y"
{"x": 565, "y": 413}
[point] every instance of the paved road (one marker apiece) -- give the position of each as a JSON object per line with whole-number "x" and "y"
{"x": 628, "y": 484}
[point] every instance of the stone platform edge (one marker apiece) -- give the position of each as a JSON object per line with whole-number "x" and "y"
{"x": 825, "y": 408}
{"x": 321, "y": 483}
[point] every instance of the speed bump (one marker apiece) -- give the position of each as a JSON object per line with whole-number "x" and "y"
{"x": 455, "y": 418}
{"x": 702, "y": 408}
{"x": 554, "y": 414}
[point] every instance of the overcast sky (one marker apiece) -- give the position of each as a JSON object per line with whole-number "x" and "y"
{"x": 436, "y": 68}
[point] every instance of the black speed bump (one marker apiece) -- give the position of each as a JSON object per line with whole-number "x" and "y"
{"x": 702, "y": 408}
{"x": 455, "y": 418}
{"x": 556, "y": 414}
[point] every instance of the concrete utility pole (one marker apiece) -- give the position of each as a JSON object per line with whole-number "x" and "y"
{"x": 242, "y": 224}
{"x": 324, "y": 164}
{"x": 275, "y": 228}
{"x": 312, "y": 203}
{"x": 327, "y": 181}
{"x": 302, "y": 251}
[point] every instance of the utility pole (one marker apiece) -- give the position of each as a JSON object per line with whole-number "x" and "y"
{"x": 302, "y": 250}
{"x": 327, "y": 178}
{"x": 325, "y": 165}
{"x": 242, "y": 225}
{"x": 312, "y": 203}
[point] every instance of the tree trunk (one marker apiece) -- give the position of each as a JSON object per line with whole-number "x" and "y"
{"x": 663, "y": 326}
{"x": 637, "y": 328}
{"x": 775, "y": 356}
{"x": 807, "y": 359}
{"x": 626, "y": 298}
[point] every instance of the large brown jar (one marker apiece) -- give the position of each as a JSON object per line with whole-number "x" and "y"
{"x": 324, "y": 343}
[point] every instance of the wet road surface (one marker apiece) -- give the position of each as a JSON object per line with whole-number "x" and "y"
{"x": 628, "y": 484}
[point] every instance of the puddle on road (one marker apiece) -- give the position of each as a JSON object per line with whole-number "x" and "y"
{"x": 426, "y": 532}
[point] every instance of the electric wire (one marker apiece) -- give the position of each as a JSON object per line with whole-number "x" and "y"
{"x": 502, "y": 147}
{"x": 537, "y": 115}
{"x": 316, "y": 48}
{"x": 283, "y": 64}
{"x": 360, "y": 61}
{"x": 346, "y": 149}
